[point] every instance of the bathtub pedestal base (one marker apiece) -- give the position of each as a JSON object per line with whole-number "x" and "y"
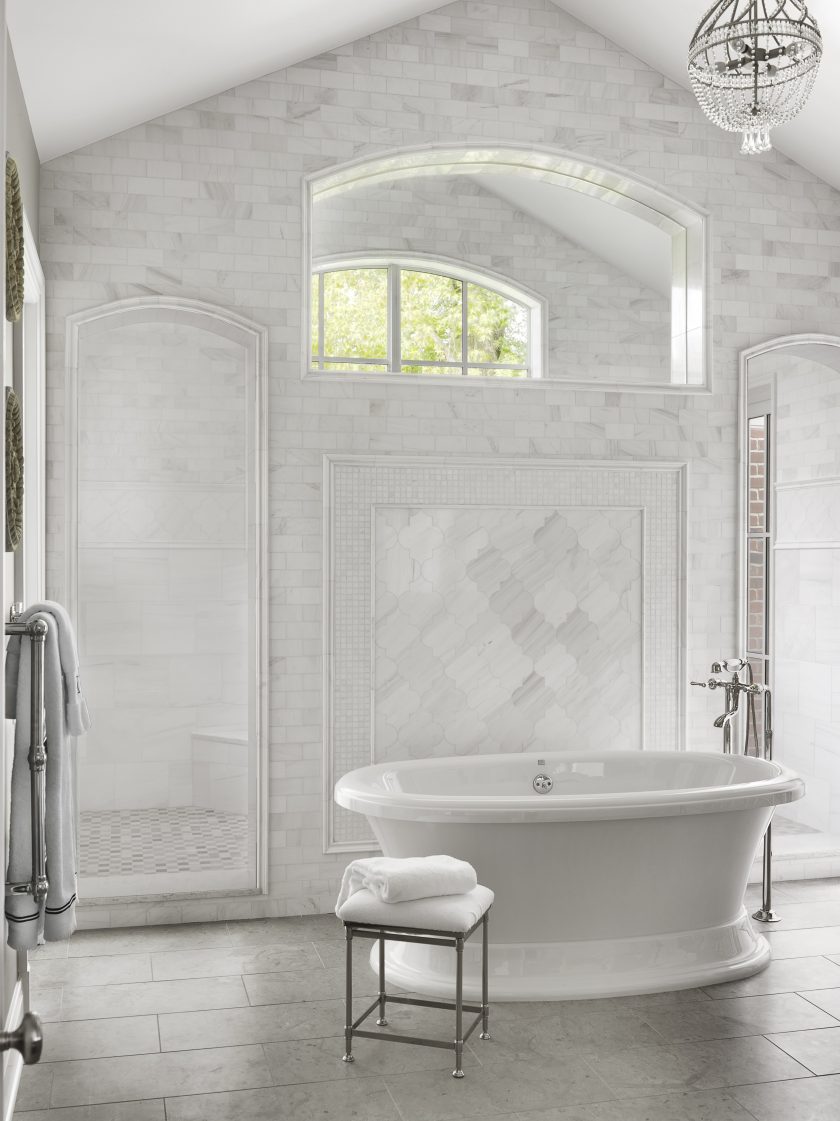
{"x": 578, "y": 970}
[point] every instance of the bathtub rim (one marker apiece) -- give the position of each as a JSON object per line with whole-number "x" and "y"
{"x": 359, "y": 794}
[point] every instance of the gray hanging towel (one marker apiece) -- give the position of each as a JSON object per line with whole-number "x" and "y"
{"x": 66, "y": 715}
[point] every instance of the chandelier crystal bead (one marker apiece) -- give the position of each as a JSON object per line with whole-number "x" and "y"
{"x": 752, "y": 65}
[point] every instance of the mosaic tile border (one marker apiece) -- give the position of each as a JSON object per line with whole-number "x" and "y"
{"x": 355, "y": 485}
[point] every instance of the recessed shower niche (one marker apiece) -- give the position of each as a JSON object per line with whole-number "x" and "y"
{"x": 164, "y": 576}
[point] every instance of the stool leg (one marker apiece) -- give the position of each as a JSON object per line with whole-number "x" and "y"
{"x": 382, "y": 1022}
{"x": 459, "y": 1009}
{"x": 485, "y": 1007}
{"x": 348, "y": 995}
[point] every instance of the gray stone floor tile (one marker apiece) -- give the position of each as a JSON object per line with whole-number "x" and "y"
{"x": 271, "y": 932}
{"x": 749, "y": 1015}
{"x": 786, "y": 976}
{"x": 79, "y": 972}
{"x": 364, "y": 1100}
{"x": 499, "y": 1086}
{"x": 332, "y": 954}
{"x": 434, "y": 1095}
{"x": 705, "y": 1105}
{"x": 826, "y": 999}
{"x": 150, "y": 1110}
{"x": 152, "y": 997}
{"x": 46, "y": 1000}
{"x": 320, "y": 1060}
{"x": 297, "y": 985}
{"x": 821, "y": 940}
{"x": 147, "y": 939}
{"x": 636, "y": 1000}
{"x": 814, "y": 1099}
{"x": 231, "y": 961}
{"x": 35, "y": 1087}
{"x": 565, "y": 1029}
{"x": 92, "y": 1039}
{"x": 50, "y": 950}
{"x": 818, "y": 1050}
{"x": 707, "y": 1065}
{"x": 95, "y": 1081}
{"x": 271, "y": 1023}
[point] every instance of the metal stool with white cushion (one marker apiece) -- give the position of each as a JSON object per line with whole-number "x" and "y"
{"x": 443, "y": 920}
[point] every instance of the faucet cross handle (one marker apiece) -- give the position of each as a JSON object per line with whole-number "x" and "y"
{"x": 702, "y": 684}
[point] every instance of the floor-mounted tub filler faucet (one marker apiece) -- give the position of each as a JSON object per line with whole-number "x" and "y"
{"x": 734, "y": 687}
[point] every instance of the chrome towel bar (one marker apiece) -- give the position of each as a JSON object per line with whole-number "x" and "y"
{"x": 37, "y": 886}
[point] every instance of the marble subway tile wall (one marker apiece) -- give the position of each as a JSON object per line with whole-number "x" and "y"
{"x": 206, "y": 202}
{"x": 602, "y": 323}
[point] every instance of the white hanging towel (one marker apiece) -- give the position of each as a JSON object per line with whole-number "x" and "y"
{"x": 66, "y": 715}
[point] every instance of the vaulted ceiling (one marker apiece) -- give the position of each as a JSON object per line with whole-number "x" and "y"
{"x": 90, "y": 68}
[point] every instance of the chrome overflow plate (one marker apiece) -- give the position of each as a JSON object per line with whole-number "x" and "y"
{"x": 543, "y": 784}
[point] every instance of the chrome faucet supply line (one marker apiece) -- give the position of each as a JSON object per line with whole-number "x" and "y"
{"x": 734, "y": 687}
{"x": 765, "y": 913}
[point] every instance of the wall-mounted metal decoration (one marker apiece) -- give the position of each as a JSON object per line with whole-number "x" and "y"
{"x": 14, "y": 471}
{"x": 14, "y": 243}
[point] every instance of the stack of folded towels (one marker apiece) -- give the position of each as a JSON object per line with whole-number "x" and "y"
{"x": 405, "y": 882}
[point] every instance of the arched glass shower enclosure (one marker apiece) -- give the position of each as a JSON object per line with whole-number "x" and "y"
{"x": 164, "y": 512}
{"x": 790, "y": 576}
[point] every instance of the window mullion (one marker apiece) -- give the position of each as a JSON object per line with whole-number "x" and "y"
{"x": 394, "y": 298}
{"x": 321, "y": 314}
{"x": 464, "y": 321}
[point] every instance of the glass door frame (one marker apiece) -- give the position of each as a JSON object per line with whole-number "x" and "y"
{"x": 254, "y": 338}
{"x": 783, "y": 342}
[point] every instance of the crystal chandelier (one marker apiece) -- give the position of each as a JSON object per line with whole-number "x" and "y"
{"x": 752, "y": 65}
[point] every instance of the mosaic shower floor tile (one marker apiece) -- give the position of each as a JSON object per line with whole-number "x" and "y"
{"x": 179, "y": 839}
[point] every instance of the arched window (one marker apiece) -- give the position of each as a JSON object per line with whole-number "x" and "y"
{"x": 426, "y": 317}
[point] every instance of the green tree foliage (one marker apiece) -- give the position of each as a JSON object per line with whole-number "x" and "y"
{"x": 497, "y": 327}
{"x": 430, "y": 317}
{"x": 355, "y": 314}
{"x": 356, "y": 322}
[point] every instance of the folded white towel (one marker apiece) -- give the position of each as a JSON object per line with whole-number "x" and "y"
{"x": 446, "y": 912}
{"x": 396, "y": 879}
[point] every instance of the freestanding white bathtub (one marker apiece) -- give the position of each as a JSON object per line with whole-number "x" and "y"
{"x": 627, "y": 877}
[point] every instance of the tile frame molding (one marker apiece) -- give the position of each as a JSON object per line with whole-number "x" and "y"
{"x": 686, "y": 222}
{"x": 678, "y": 471}
{"x": 254, "y": 338}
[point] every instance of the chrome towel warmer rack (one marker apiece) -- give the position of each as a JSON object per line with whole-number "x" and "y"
{"x": 28, "y": 1038}
{"x": 38, "y": 885}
